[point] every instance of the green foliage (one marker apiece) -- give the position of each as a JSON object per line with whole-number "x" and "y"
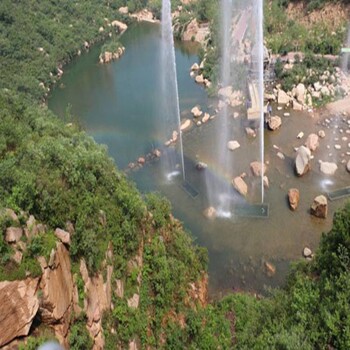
{"x": 79, "y": 338}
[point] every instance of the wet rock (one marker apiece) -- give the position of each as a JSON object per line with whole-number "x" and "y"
{"x": 205, "y": 118}
{"x": 240, "y": 185}
{"x": 319, "y": 207}
{"x": 250, "y": 132}
{"x": 266, "y": 182}
{"x": 19, "y": 305}
{"x": 174, "y": 135}
{"x": 293, "y": 198}
{"x": 302, "y": 161}
{"x": 196, "y": 111}
{"x": 321, "y": 134}
{"x": 270, "y": 269}
{"x": 232, "y": 145}
{"x": 328, "y": 168}
{"x": 300, "y": 135}
{"x": 9, "y": 214}
{"x": 282, "y": 97}
{"x": 63, "y": 236}
{"x": 201, "y": 166}
{"x": 312, "y": 142}
{"x": 210, "y": 213}
{"x": 274, "y": 122}
{"x": 185, "y": 124}
{"x": 337, "y": 147}
{"x": 13, "y": 234}
{"x": 258, "y": 168}
{"x": 199, "y": 79}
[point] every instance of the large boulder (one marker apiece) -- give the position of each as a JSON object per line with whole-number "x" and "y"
{"x": 282, "y": 97}
{"x": 258, "y": 168}
{"x": 274, "y": 122}
{"x": 328, "y": 168}
{"x": 240, "y": 185}
{"x": 319, "y": 207}
{"x": 19, "y": 305}
{"x": 312, "y": 142}
{"x": 293, "y": 198}
{"x": 302, "y": 161}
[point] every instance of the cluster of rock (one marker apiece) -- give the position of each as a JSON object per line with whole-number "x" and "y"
{"x": 302, "y": 96}
{"x": 199, "y": 116}
{"x": 142, "y": 160}
{"x": 196, "y": 73}
{"x": 107, "y": 56}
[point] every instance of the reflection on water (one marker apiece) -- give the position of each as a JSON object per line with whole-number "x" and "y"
{"x": 117, "y": 104}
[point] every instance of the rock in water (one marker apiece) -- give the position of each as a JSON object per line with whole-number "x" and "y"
{"x": 282, "y": 97}
{"x": 258, "y": 168}
{"x": 210, "y": 213}
{"x": 196, "y": 112}
{"x": 270, "y": 269}
{"x": 328, "y": 168}
{"x": 293, "y": 198}
{"x": 274, "y": 122}
{"x": 319, "y": 207}
{"x": 201, "y": 166}
{"x": 302, "y": 161}
{"x": 19, "y": 305}
{"x": 307, "y": 252}
{"x": 232, "y": 145}
{"x": 185, "y": 124}
{"x": 241, "y": 187}
{"x": 312, "y": 142}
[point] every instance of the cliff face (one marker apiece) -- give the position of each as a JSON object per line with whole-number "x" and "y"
{"x": 66, "y": 290}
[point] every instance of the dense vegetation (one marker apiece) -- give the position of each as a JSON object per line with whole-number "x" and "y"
{"x": 50, "y": 168}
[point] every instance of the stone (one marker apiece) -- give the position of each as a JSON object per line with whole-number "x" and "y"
{"x": 101, "y": 30}
{"x": 9, "y": 214}
{"x": 201, "y": 166}
{"x": 328, "y": 168}
{"x": 317, "y": 86}
{"x": 13, "y": 234}
{"x": 232, "y": 145}
{"x": 250, "y": 132}
{"x": 258, "y": 168}
{"x": 312, "y": 142}
{"x": 266, "y": 182}
{"x": 210, "y": 213}
{"x": 302, "y": 160}
{"x": 338, "y": 147}
{"x": 206, "y": 117}
{"x": 300, "y": 135}
{"x": 293, "y": 198}
{"x": 185, "y": 124}
{"x": 348, "y": 166}
{"x": 174, "y": 136}
{"x": 63, "y": 236}
{"x": 307, "y": 253}
{"x": 123, "y": 10}
{"x": 269, "y": 268}
{"x": 19, "y": 305}
{"x": 195, "y": 67}
{"x": 196, "y": 112}
{"x": 319, "y": 207}
{"x": 133, "y": 302}
{"x": 297, "y": 106}
{"x": 282, "y": 97}
{"x": 280, "y": 155}
{"x": 321, "y": 134}
{"x": 199, "y": 79}
{"x": 325, "y": 91}
{"x": 157, "y": 153}
{"x": 225, "y": 92}
{"x": 274, "y": 122}
{"x": 300, "y": 91}
{"x": 235, "y": 115}
{"x": 17, "y": 257}
{"x": 240, "y": 186}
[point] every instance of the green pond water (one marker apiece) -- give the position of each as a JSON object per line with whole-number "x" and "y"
{"x": 118, "y": 105}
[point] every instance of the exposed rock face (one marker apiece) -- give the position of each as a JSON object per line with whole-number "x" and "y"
{"x": 258, "y": 168}
{"x": 282, "y": 97}
{"x": 63, "y": 236}
{"x": 302, "y": 161}
{"x": 319, "y": 207}
{"x": 19, "y": 305}
{"x": 312, "y": 142}
{"x": 274, "y": 122}
{"x": 328, "y": 168}
{"x": 210, "y": 213}
{"x": 240, "y": 185}
{"x": 13, "y": 234}
{"x": 293, "y": 198}
{"x": 57, "y": 288}
{"x": 232, "y": 145}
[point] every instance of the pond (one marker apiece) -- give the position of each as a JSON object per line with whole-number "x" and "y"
{"x": 117, "y": 105}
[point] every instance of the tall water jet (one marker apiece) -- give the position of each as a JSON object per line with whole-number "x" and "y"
{"x": 169, "y": 99}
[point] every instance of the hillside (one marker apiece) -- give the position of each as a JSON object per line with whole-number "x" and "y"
{"x": 86, "y": 260}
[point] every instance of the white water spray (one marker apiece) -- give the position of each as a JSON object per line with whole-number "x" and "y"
{"x": 169, "y": 88}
